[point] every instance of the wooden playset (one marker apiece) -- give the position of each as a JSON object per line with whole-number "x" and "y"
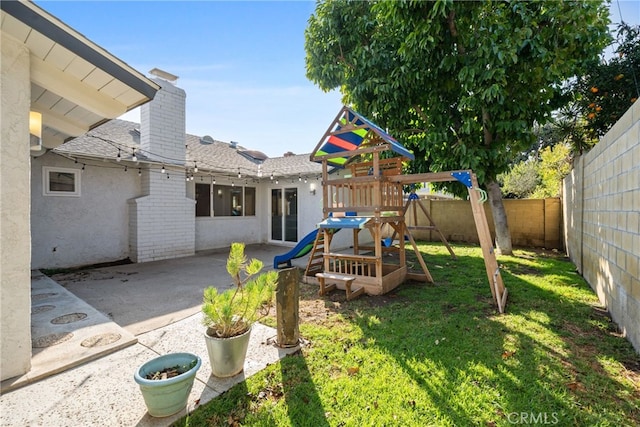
{"x": 372, "y": 197}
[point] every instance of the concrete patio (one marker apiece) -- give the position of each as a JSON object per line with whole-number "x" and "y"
{"x": 92, "y": 333}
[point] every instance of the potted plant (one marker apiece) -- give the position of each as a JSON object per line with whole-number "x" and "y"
{"x": 166, "y": 381}
{"x": 230, "y": 315}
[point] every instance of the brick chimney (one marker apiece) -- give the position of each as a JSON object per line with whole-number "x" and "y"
{"x": 162, "y": 121}
{"x": 162, "y": 220}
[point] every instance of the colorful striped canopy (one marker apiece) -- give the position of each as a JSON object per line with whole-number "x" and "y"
{"x": 350, "y": 132}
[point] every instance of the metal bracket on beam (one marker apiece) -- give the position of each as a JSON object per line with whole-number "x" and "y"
{"x": 464, "y": 177}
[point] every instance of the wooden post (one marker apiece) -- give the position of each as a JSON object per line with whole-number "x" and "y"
{"x": 356, "y": 243}
{"x": 377, "y": 240}
{"x": 326, "y": 203}
{"x": 403, "y": 254}
{"x": 287, "y": 313}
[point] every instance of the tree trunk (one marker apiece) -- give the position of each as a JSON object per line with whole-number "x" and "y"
{"x": 503, "y": 237}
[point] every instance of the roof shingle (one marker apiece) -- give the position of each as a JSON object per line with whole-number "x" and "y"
{"x": 216, "y": 157}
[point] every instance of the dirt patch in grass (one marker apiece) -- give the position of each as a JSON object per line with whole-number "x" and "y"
{"x": 316, "y": 309}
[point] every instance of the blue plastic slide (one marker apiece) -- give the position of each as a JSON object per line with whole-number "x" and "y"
{"x": 303, "y": 247}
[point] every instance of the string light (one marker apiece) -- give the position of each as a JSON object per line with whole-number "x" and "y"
{"x": 134, "y": 156}
{"x": 190, "y": 174}
{"x": 233, "y": 184}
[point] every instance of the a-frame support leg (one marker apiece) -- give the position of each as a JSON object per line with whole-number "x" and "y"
{"x": 412, "y": 202}
{"x": 433, "y": 224}
{"x": 401, "y": 229}
{"x": 498, "y": 290}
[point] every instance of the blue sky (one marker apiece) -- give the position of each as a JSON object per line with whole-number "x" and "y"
{"x": 241, "y": 63}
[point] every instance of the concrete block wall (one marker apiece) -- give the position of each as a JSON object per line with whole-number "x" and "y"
{"x": 532, "y": 222}
{"x": 602, "y": 219}
{"x": 162, "y": 220}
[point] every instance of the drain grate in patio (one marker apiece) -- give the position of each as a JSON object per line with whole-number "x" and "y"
{"x": 51, "y": 340}
{"x": 100, "y": 340}
{"x": 68, "y": 318}
{"x": 42, "y": 308}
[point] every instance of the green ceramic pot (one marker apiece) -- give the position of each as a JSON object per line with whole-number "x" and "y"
{"x": 169, "y": 396}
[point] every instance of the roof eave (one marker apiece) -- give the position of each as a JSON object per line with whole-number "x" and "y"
{"x": 54, "y": 29}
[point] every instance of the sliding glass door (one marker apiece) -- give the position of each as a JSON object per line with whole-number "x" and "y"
{"x": 284, "y": 214}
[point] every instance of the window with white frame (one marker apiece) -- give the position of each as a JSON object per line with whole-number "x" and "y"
{"x": 60, "y": 181}
{"x": 225, "y": 200}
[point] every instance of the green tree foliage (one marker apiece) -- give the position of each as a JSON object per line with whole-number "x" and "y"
{"x": 460, "y": 83}
{"x": 538, "y": 178}
{"x": 608, "y": 88}
{"x": 521, "y": 181}
{"x": 568, "y": 126}
{"x": 555, "y": 164}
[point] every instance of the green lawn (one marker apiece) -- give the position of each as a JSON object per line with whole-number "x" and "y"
{"x": 441, "y": 355}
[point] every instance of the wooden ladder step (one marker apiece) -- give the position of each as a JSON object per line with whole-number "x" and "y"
{"x": 316, "y": 256}
{"x": 348, "y": 281}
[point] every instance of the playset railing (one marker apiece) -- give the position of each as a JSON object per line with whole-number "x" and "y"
{"x": 363, "y": 195}
{"x": 360, "y": 265}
